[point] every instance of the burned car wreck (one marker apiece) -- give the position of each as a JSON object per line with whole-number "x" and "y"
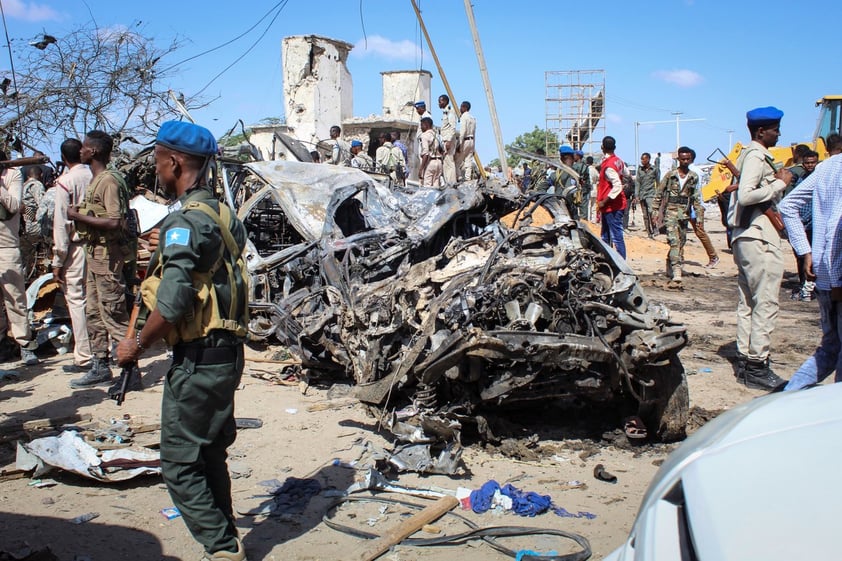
{"x": 445, "y": 304}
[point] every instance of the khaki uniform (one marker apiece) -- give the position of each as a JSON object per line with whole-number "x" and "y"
{"x": 340, "y": 153}
{"x": 449, "y": 138}
{"x": 465, "y": 156}
{"x": 387, "y": 159}
{"x": 362, "y": 161}
{"x": 197, "y": 411}
{"x": 106, "y": 254}
{"x": 11, "y": 274}
{"x": 757, "y": 251}
{"x": 69, "y": 254}
{"x": 679, "y": 199}
{"x": 429, "y": 146}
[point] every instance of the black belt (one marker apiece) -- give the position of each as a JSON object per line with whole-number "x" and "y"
{"x": 678, "y": 199}
{"x": 468, "y": 138}
{"x": 435, "y": 158}
{"x": 204, "y": 355}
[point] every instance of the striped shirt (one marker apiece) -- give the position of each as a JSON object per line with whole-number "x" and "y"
{"x": 823, "y": 191}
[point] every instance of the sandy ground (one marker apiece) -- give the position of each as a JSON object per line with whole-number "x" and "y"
{"x": 295, "y": 442}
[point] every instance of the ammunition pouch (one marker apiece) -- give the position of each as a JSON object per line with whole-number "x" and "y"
{"x": 679, "y": 200}
{"x": 204, "y": 316}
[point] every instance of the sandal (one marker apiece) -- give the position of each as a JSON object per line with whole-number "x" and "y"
{"x": 635, "y": 429}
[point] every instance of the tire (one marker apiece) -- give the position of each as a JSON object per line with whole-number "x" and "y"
{"x": 666, "y": 411}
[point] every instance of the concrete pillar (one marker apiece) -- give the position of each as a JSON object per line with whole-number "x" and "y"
{"x": 318, "y": 90}
{"x": 401, "y": 89}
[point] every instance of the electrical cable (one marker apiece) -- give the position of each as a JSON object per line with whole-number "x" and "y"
{"x": 239, "y": 58}
{"x": 487, "y": 534}
{"x": 225, "y": 44}
{"x": 362, "y": 24}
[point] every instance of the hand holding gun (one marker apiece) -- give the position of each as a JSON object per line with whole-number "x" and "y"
{"x": 126, "y": 373}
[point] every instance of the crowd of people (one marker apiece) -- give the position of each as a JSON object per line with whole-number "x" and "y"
{"x": 94, "y": 251}
{"x": 444, "y": 154}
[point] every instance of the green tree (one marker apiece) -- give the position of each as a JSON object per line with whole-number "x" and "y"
{"x": 530, "y": 141}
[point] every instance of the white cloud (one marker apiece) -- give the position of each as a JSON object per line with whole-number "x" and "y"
{"x": 29, "y": 11}
{"x": 683, "y": 78}
{"x": 376, "y": 45}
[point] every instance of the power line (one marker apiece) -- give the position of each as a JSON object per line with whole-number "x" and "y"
{"x": 225, "y": 44}
{"x": 282, "y": 5}
{"x": 629, "y": 103}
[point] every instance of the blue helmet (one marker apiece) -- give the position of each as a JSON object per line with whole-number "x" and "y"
{"x": 564, "y": 149}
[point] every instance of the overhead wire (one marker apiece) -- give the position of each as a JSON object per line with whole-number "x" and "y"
{"x": 282, "y": 5}
{"x": 226, "y": 43}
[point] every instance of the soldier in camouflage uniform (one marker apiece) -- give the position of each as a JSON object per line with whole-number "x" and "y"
{"x": 675, "y": 194}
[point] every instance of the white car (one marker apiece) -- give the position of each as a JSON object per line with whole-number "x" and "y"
{"x": 759, "y": 482}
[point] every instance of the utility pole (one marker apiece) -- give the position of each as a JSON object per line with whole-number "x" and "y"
{"x": 492, "y": 108}
{"x": 677, "y": 128}
{"x": 676, "y": 121}
{"x": 730, "y": 137}
{"x": 444, "y": 78}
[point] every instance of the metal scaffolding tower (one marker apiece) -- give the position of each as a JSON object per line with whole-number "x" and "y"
{"x": 575, "y": 109}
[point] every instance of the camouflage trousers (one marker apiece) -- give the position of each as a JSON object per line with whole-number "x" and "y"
{"x": 676, "y": 225}
{"x": 106, "y": 305}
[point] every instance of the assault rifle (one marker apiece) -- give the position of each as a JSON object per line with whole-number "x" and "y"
{"x": 771, "y": 213}
{"x": 126, "y": 373}
{"x": 20, "y": 162}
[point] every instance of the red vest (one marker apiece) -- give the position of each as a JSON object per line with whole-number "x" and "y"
{"x": 604, "y": 186}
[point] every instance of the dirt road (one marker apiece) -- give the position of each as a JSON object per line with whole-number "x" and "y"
{"x": 295, "y": 442}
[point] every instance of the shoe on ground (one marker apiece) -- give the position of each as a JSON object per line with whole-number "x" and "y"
{"x": 28, "y": 357}
{"x": 239, "y": 555}
{"x": 712, "y": 263}
{"x": 758, "y": 376}
{"x": 74, "y": 369}
{"x": 98, "y": 375}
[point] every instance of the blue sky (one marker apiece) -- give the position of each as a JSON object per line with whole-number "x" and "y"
{"x": 707, "y": 59}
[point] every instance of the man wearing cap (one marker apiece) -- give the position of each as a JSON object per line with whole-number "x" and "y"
{"x": 565, "y": 184}
{"x": 431, "y": 154}
{"x": 610, "y": 198}
{"x": 200, "y": 253}
{"x": 756, "y": 247}
{"x": 449, "y": 138}
{"x": 584, "y": 182}
{"x": 467, "y": 133}
{"x": 340, "y": 151}
{"x": 99, "y": 222}
{"x": 421, "y": 110}
{"x": 360, "y": 159}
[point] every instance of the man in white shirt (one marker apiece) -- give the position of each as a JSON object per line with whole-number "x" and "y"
{"x": 467, "y": 132}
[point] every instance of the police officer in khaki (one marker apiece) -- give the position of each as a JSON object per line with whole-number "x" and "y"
{"x": 757, "y": 248}
{"x": 674, "y": 197}
{"x": 100, "y": 221}
{"x": 197, "y": 292}
{"x": 12, "y": 291}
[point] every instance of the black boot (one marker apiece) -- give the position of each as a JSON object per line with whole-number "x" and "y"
{"x": 740, "y": 365}
{"x": 98, "y": 375}
{"x": 759, "y": 376}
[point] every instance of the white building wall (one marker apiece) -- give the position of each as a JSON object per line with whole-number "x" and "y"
{"x": 318, "y": 89}
{"x": 401, "y": 89}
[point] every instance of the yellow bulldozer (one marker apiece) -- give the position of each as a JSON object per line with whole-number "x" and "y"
{"x": 830, "y": 121}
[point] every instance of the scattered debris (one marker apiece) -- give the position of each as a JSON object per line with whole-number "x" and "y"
{"x": 87, "y": 517}
{"x": 170, "y": 512}
{"x": 248, "y": 423}
{"x": 600, "y": 473}
{"x": 71, "y": 453}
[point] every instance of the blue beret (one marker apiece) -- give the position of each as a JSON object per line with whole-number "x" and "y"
{"x": 764, "y": 115}
{"x": 188, "y": 138}
{"x": 355, "y": 143}
{"x": 564, "y": 149}
{"x": 420, "y": 104}
{"x": 579, "y": 153}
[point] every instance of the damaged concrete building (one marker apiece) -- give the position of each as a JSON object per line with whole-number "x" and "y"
{"x": 319, "y": 92}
